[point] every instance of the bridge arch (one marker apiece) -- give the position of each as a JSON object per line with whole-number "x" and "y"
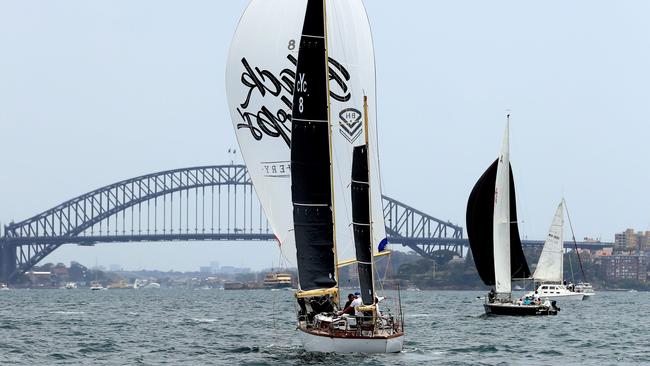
{"x": 86, "y": 219}
{"x": 159, "y": 207}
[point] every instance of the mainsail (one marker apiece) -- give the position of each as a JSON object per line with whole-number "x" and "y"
{"x": 260, "y": 80}
{"x": 482, "y": 219}
{"x": 361, "y": 222}
{"x": 501, "y": 222}
{"x": 550, "y": 265}
{"x": 311, "y": 189}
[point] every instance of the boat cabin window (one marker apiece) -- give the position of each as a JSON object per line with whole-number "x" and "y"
{"x": 544, "y": 287}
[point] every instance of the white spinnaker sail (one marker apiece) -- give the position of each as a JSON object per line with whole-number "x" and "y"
{"x": 501, "y": 224}
{"x": 550, "y": 265}
{"x": 259, "y": 83}
{"x": 352, "y": 73}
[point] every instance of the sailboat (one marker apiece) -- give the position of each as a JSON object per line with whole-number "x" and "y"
{"x": 296, "y": 95}
{"x": 494, "y": 237}
{"x": 314, "y": 214}
{"x": 549, "y": 273}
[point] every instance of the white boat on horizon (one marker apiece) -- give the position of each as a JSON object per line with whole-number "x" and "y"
{"x": 145, "y": 284}
{"x": 584, "y": 288}
{"x": 95, "y": 286}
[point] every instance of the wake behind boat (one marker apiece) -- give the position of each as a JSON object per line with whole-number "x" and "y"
{"x": 494, "y": 238}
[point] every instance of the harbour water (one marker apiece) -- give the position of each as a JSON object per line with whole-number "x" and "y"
{"x": 212, "y": 327}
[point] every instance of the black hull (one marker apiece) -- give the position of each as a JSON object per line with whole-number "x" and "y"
{"x": 518, "y": 310}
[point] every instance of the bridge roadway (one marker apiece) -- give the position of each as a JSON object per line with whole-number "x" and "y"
{"x": 209, "y": 203}
{"x": 252, "y": 238}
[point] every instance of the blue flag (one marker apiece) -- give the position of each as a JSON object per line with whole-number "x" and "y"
{"x": 382, "y": 245}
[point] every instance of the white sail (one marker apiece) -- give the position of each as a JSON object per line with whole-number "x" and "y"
{"x": 352, "y": 71}
{"x": 501, "y": 224}
{"x": 550, "y": 265}
{"x": 259, "y": 83}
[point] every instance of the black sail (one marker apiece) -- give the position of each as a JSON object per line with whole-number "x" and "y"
{"x": 518, "y": 264}
{"x": 310, "y": 157}
{"x": 360, "y": 188}
{"x": 479, "y": 218}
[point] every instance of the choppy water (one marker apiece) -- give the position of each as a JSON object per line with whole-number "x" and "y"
{"x": 211, "y": 327}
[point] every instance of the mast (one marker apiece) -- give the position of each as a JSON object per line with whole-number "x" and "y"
{"x": 329, "y": 121}
{"x": 367, "y": 140}
{"x": 575, "y": 244}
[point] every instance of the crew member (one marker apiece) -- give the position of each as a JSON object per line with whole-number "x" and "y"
{"x": 356, "y": 303}
{"x": 347, "y": 309}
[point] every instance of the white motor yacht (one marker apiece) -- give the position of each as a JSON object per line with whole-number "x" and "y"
{"x": 555, "y": 292}
{"x": 584, "y": 288}
{"x": 96, "y": 287}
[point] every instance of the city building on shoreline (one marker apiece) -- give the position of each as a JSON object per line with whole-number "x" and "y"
{"x": 625, "y": 267}
{"x": 629, "y": 241}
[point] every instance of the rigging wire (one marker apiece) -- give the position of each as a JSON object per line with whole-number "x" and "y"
{"x": 575, "y": 244}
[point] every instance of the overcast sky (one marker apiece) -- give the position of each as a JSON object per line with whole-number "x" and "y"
{"x": 93, "y": 92}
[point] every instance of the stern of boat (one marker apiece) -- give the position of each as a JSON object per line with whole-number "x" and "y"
{"x": 324, "y": 343}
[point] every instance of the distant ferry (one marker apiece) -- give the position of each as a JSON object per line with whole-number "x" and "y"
{"x": 277, "y": 280}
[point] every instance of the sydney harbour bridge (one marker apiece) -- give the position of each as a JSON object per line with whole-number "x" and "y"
{"x": 208, "y": 203}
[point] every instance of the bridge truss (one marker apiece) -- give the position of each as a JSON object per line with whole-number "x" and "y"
{"x": 199, "y": 203}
